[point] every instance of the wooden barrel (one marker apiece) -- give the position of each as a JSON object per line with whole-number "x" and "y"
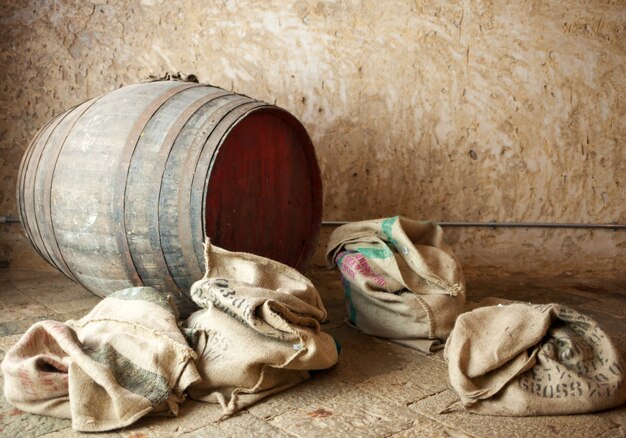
{"x": 122, "y": 189}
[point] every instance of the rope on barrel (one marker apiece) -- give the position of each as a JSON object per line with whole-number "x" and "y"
{"x": 173, "y": 76}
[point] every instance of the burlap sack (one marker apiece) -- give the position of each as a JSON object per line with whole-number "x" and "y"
{"x": 401, "y": 280}
{"x": 523, "y": 359}
{"x": 123, "y": 360}
{"x": 259, "y": 330}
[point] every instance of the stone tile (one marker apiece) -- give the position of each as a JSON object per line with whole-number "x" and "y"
{"x": 67, "y": 433}
{"x": 534, "y": 294}
{"x": 375, "y": 404}
{"x": 241, "y": 425}
{"x": 425, "y": 427}
{"x": 363, "y": 357}
{"x": 60, "y": 290}
{"x": 322, "y": 386}
{"x": 324, "y": 278}
{"x": 25, "y": 311}
{"x": 571, "y": 426}
{"x": 366, "y": 394}
{"x": 603, "y": 295}
{"x": 418, "y": 380}
{"x": 62, "y": 317}
{"x": 351, "y": 413}
{"x": 29, "y": 274}
{"x": 58, "y": 295}
{"x": 20, "y": 326}
{"x": 10, "y": 297}
{"x": 598, "y": 287}
{"x": 336, "y": 313}
{"x": 378, "y": 388}
{"x": 368, "y": 363}
{"x": 605, "y": 303}
{"x": 438, "y": 355}
{"x": 83, "y": 305}
{"x": 328, "y": 283}
{"x": 192, "y": 416}
{"x": 318, "y": 261}
{"x": 607, "y": 306}
{"x": 16, "y": 423}
{"x": 6, "y": 343}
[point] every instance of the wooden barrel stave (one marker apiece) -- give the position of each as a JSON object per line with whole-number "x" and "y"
{"x": 186, "y": 149}
{"x": 191, "y": 228}
{"x": 114, "y": 192}
{"x": 50, "y": 157}
{"x": 199, "y": 184}
{"x": 141, "y": 193}
{"x": 87, "y": 193}
{"x": 25, "y": 193}
{"x": 43, "y": 154}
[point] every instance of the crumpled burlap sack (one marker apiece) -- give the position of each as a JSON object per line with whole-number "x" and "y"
{"x": 123, "y": 360}
{"x": 258, "y": 332}
{"x": 401, "y": 280}
{"x": 521, "y": 359}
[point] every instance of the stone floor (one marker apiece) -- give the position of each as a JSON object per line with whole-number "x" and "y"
{"x": 378, "y": 389}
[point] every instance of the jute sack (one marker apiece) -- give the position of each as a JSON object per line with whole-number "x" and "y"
{"x": 123, "y": 360}
{"x": 258, "y": 332}
{"x": 523, "y": 359}
{"x": 401, "y": 280}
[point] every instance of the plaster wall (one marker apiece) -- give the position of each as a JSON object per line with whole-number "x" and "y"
{"x": 450, "y": 111}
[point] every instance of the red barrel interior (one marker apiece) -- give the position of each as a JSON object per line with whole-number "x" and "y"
{"x": 264, "y": 191}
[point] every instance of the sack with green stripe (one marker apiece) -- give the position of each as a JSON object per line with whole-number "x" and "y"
{"x": 401, "y": 280}
{"x": 123, "y": 360}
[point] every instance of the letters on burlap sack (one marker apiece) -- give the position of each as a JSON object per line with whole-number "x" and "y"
{"x": 401, "y": 280}
{"x": 524, "y": 359}
{"x": 258, "y": 332}
{"x": 123, "y": 360}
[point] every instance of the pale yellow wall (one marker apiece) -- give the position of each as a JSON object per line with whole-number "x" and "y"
{"x": 442, "y": 110}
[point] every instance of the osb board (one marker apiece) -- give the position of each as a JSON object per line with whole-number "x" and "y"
{"x": 438, "y": 110}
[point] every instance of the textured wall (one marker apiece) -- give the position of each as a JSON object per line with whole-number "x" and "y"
{"x": 475, "y": 110}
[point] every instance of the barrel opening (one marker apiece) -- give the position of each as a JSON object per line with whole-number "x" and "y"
{"x": 269, "y": 157}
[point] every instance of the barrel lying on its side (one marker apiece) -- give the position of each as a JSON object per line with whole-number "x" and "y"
{"x": 121, "y": 190}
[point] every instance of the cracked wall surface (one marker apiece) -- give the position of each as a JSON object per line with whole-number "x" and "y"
{"x": 449, "y": 111}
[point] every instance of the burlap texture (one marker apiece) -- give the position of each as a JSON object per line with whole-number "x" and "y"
{"x": 521, "y": 359}
{"x": 401, "y": 280}
{"x": 123, "y": 360}
{"x": 258, "y": 331}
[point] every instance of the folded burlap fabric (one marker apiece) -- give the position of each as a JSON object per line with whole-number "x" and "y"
{"x": 123, "y": 360}
{"x": 523, "y": 359}
{"x": 401, "y": 280}
{"x": 258, "y": 332}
